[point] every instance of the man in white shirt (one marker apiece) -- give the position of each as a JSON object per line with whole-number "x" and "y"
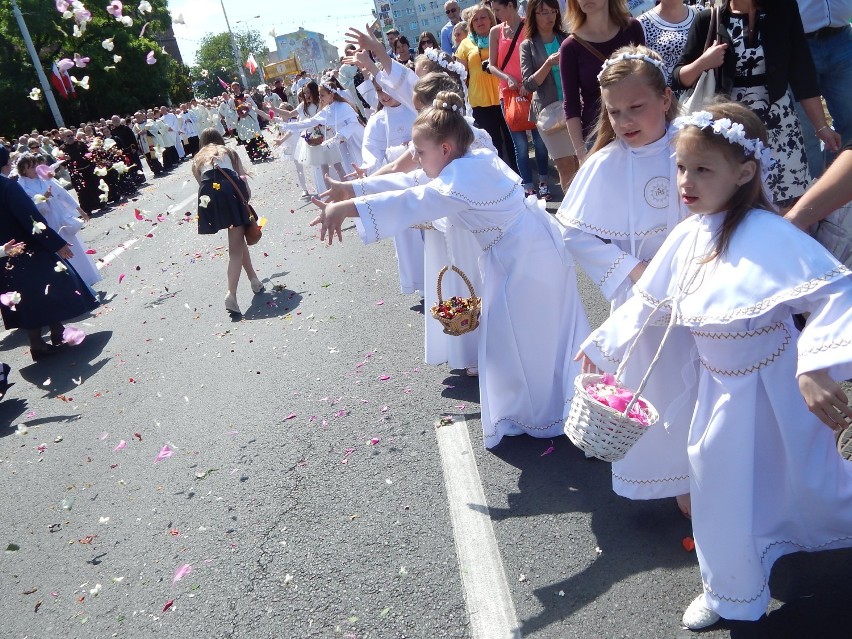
{"x": 171, "y": 139}
{"x": 189, "y": 128}
{"x": 829, "y": 37}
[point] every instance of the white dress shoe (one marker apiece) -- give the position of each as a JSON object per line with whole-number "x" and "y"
{"x": 698, "y": 616}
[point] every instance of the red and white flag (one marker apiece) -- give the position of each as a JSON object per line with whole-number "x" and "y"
{"x": 251, "y": 64}
{"x": 61, "y": 82}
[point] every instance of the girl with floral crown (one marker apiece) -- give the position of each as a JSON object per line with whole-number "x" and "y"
{"x": 618, "y": 211}
{"x": 529, "y": 323}
{"x": 765, "y": 476}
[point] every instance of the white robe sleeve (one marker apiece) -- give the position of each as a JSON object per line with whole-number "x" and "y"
{"x": 388, "y": 182}
{"x": 826, "y": 341}
{"x": 384, "y": 215}
{"x": 607, "y": 265}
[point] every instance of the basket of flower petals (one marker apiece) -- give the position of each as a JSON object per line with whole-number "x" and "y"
{"x": 458, "y": 315}
{"x": 605, "y": 418}
{"x": 314, "y": 137}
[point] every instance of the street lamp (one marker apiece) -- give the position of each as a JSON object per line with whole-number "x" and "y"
{"x": 234, "y": 47}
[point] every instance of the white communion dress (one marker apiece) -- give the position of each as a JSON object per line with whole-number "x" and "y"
{"x": 532, "y": 315}
{"x": 765, "y": 476}
{"x": 618, "y": 211}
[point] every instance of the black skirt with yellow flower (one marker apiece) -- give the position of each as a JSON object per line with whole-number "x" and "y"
{"x": 219, "y": 206}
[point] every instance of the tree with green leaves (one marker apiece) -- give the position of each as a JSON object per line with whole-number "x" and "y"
{"x": 215, "y": 59}
{"x": 120, "y": 80}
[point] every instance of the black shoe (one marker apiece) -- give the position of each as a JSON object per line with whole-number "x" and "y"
{"x": 48, "y": 350}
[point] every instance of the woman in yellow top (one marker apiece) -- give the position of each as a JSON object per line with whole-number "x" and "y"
{"x": 483, "y": 88}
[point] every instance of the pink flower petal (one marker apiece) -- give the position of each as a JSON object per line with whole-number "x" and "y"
{"x": 165, "y": 453}
{"x": 90, "y": 251}
{"x": 121, "y": 277}
{"x": 290, "y": 416}
{"x": 549, "y": 450}
{"x": 181, "y": 572}
{"x": 65, "y": 64}
{"x": 380, "y": 302}
{"x": 73, "y": 335}
{"x": 150, "y": 59}
{"x": 374, "y": 441}
{"x": 120, "y": 446}
{"x": 384, "y": 378}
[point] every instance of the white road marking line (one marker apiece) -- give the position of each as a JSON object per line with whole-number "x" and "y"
{"x": 125, "y": 245}
{"x": 489, "y": 603}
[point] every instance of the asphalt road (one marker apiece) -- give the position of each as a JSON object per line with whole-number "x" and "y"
{"x": 302, "y": 482}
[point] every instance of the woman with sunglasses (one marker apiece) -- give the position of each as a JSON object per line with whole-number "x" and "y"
{"x": 426, "y": 41}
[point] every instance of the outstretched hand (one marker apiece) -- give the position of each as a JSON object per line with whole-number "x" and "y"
{"x": 364, "y": 39}
{"x": 357, "y": 173}
{"x": 12, "y": 248}
{"x": 825, "y": 399}
{"x": 330, "y": 219}
{"x": 337, "y": 191}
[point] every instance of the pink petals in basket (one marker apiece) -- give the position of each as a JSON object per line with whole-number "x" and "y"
{"x": 610, "y": 393}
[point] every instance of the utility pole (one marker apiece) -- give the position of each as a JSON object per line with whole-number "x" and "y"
{"x": 45, "y": 85}
{"x": 233, "y": 46}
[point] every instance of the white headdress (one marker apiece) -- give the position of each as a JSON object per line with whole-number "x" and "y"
{"x": 632, "y": 56}
{"x": 440, "y": 104}
{"x": 441, "y": 60}
{"x": 733, "y": 132}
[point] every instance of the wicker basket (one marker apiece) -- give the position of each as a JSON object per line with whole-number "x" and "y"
{"x": 599, "y": 430}
{"x": 464, "y": 321}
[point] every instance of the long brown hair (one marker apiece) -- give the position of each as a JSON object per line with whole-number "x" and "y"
{"x": 618, "y": 71}
{"x": 618, "y": 13}
{"x": 750, "y": 195}
{"x": 530, "y": 26}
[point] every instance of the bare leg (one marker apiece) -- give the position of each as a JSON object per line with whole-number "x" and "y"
{"x": 566, "y": 167}
{"x": 684, "y": 502}
{"x": 237, "y": 251}
{"x": 339, "y": 168}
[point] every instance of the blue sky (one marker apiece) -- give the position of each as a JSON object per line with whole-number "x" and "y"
{"x": 329, "y": 17}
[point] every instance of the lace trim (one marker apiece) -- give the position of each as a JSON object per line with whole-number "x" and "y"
{"x": 765, "y": 330}
{"x": 838, "y": 343}
{"x": 770, "y": 302}
{"x": 649, "y": 481}
{"x": 363, "y": 188}
{"x": 787, "y": 542}
{"x": 525, "y": 427}
{"x": 754, "y": 367}
{"x": 606, "y": 355}
{"x": 478, "y": 203}
{"x": 490, "y": 229}
{"x": 599, "y": 230}
{"x": 611, "y": 269}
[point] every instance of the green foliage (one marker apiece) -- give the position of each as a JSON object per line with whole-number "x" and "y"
{"x": 130, "y": 85}
{"x": 216, "y": 56}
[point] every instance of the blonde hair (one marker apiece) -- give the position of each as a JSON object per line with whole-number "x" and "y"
{"x": 750, "y": 195}
{"x": 428, "y": 87}
{"x": 576, "y": 18}
{"x": 476, "y": 9}
{"x": 616, "y": 71}
{"x": 443, "y": 120}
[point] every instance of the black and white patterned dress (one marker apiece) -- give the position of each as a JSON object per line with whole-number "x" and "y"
{"x": 789, "y": 175}
{"x": 666, "y": 38}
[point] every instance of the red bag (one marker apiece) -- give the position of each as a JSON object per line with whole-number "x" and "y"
{"x": 517, "y": 111}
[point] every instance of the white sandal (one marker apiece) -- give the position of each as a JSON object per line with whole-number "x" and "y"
{"x": 231, "y": 305}
{"x": 698, "y": 616}
{"x": 257, "y": 286}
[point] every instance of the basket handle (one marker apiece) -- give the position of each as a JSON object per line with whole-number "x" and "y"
{"x": 656, "y": 358}
{"x": 461, "y": 274}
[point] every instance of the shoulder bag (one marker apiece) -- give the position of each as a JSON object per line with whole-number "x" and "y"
{"x": 697, "y": 97}
{"x": 252, "y": 229}
{"x": 516, "y": 107}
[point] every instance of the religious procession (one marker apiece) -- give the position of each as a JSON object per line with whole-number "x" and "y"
{"x": 692, "y": 160}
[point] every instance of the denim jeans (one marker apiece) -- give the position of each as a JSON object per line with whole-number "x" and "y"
{"x": 522, "y": 154}
{"x": 833, "y": 61}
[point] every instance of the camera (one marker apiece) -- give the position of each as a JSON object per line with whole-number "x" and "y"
{"x": 485, "y": 66}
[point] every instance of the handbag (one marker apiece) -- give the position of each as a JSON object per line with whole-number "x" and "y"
{"x": 551, "y": 118}
{"x": 835, "y": 233}
{"x": 698, "y": 96}
{"x": 253, "y": 231}
{"x": 516, "y": 108}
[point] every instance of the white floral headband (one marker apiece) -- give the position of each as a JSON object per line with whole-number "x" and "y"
{"x": 454, "y": 65}
{"x": 438, "y": 104}
{"x": 632, "y": 56}
{"x": 733, "y": 132}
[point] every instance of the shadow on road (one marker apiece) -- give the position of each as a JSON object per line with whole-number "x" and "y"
{"x": 272, "y": 304}
{"x": 67, "y": 370}
{"x": 459, "y": 386}
{"x": 632, "y": 536}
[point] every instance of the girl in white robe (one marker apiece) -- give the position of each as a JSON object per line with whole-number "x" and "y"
{"x": 620, "y": 207}
{"x": 532, "y": 315}
{"x": 61, "y": 212}
{"x": 765, "y": 476}
{"x": 338, "y": 114}
{"x": 386, "y": 137}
